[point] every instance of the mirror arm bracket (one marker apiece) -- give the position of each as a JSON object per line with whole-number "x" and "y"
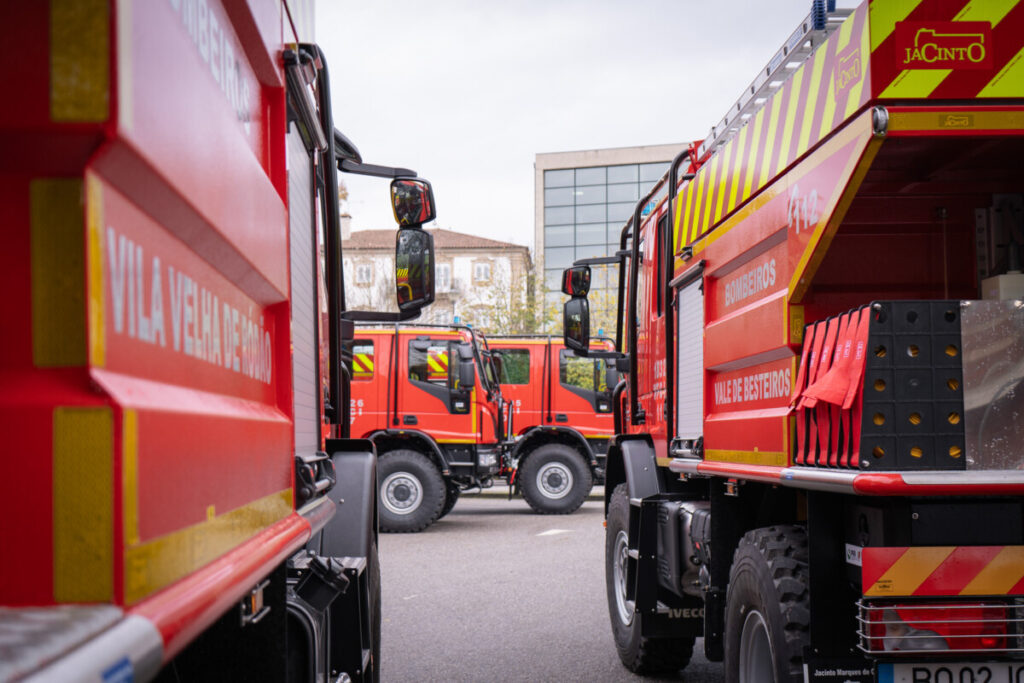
{"x": 350, "y": 166}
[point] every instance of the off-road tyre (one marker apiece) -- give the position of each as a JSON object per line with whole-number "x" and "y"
{"x": 640, "y": 655}
{"x": 451, "y": 497}
{"x": 410, "y": 491}
{"x": 767, "y": 618}
{"x": 555, "y": 479}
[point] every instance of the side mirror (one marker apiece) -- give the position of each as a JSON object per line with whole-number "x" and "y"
{"x": 576, "y": 281}
{"x": 576, "y": 324}
{"x": 414, "y": 269}
{"x": 412, "y": 201}
{"x": 611, "y": 376}
{"x": 467, "y": 375}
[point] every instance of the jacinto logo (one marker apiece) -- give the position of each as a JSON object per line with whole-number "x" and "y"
{"x": 944, "y": 45}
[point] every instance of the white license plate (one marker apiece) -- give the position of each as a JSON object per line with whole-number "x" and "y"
{"x": 952, "y": 672}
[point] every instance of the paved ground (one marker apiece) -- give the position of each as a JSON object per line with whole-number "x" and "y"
{"x": 493, "y": 592}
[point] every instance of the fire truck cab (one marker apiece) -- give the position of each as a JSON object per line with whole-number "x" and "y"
{"x": 561, "y": 408}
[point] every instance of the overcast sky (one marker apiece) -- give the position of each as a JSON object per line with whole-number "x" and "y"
{"x": 467, "y": 92}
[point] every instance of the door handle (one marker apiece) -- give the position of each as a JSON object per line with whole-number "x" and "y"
{"x": 409, "y": 420}
{"x": 561, "y": 417}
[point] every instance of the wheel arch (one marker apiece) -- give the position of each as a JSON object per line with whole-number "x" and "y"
{"x": 631, "y": 459}
{"x": 535, "y": 437}
{"x": 391, "y": 439}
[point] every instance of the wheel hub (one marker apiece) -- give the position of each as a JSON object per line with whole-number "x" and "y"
{"x": 620, "y": 557}
{"x": 401, "y": 493}
{"x": 554, "y": 480}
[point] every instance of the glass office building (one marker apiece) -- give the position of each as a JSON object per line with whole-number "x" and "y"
{"x": 583, "y": 201}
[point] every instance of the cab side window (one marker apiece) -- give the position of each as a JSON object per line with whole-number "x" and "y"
{"x": 513, "y": 366}
{"x": 582, "y": 373}
{"x": 360, "y": 359}
{"x": 430, "y": 362}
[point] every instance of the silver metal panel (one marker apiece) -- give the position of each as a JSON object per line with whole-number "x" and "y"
{"x": 303, "y": 278}
{"x": 77, "y": 643}
{"x": 993, "y": 363}
{"x": 690, "y": 362}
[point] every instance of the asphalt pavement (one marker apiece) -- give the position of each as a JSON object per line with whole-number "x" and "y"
{"x": 494, "y": 592}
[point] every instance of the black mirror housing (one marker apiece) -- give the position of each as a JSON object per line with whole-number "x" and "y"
{"x": 414, "y": 269}
{"x": 576, "y": 281}
{"x": 576, "y": 325}
{"x": 412, "y": 200}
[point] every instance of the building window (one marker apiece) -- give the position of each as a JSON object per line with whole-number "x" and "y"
{"x": 444, "y": 277}
{"x": 481, "y": 272}
{"x": 364, "y": 274}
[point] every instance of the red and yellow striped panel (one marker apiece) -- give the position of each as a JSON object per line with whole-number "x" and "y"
{"x": 947, "y": 49}
{"x": 437, "y": 366}
{"x": 943, "y": 571}
{"x": 362, "y": 366}
{"x": 822, "y": 93}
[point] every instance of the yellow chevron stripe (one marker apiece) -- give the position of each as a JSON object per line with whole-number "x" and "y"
{"x": 910, "y": 571}
{"x": 853, "y": 100}
{"x": 830, "y": 107}
{"x": 844, "y": 34}
{"x": 722, "y": 186}
{"x": 791, "y": 113}
{"x": 709, "y": 198}
{"x": 680, "y": 229}
{"x": 990, "y": 10}
{"x": 999, "y": 575}
{"x": 690, "y": 204}
{"x": 737, "y": 171}
{"x": 366, "y": 360}
{"x": 1007, "y": 83}
{"x": 883, "y": 17}
{"x": 916, "y": 82}
{"x": 817, "y": 66}
{"x": 769, "y": 139}
{"x": 756, "y": 140}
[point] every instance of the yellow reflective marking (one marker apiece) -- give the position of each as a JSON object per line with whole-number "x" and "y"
{"x": 738, "y": 168}
{"x": 829, "y": 112}
{"x": 722, "y": 186}
{"x": 756, "y": 140}
{"x": 989, "y": 10}
{"x": 157, "y": 563}
{"x": 916, "y": 82}
{"x": 83, "y": 504}
{"x": 791, "y": 115}
{"x": 817, "y": 66}
{"x": 1009, "y": 82}
{"x": 884, "y": 15}
{"x": 769, "y": 458}
{"x": 691, "y": 232}
{"x": 94, "y": 221}
{"x": 709, "y": 196}
{"x": 678, "y": 230}
{"x": 910, "y": 571}
{"x": 769, "y": 139}
{"x": 130, "y": 476}
{"x": 854, "y": 96}
{"x": 57, "y": 267}
{"x": 999, "y": 575}
{"x": 79, "y": 60}
{"x": 844, "y": 33}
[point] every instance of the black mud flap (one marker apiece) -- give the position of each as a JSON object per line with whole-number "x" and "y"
{"x": 354, "y": 494}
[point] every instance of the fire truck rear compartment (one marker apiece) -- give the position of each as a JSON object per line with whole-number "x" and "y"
{"x": 933, "y": 216}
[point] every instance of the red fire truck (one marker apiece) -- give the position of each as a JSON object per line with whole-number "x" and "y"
{"x": 562, "y": 413}
{"x": 426, "y": 397}
{"x": 819, "y": 458}
{"x": 171, "y": 351}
